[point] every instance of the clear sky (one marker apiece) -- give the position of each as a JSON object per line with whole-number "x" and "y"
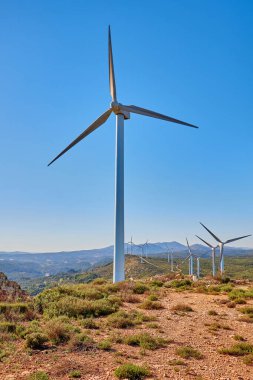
{"x": 189, "y": 59}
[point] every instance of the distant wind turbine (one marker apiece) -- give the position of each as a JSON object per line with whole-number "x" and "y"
{"x": 213, "y": 248}
{"x": 190, "y": 257}
{"x": 221, "y": 245}
{"x": 122, "y": 113}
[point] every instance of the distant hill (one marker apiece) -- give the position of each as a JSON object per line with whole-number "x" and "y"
{"x": 23, "y": 266}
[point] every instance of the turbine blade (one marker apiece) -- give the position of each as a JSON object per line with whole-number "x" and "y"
{"x": 189, "y": 249}
{"x": 101, "y": 120}
{"x": 210, "y": 232}
{"x": 111, "y": 68}
{"x": 241, "y": 237}
{"x": 209, "y": 245}
{"x": 145, "y": 112}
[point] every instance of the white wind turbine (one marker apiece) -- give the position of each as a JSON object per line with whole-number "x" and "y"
{"x": 213, "y": 248}
{"x": 221, "y": 245}
{"x": 122, "y": 113}
{"x": 190, "y": 257}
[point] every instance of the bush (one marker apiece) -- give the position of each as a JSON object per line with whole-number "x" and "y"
{"x": 185, "y": 284}
{"x": 81, "y": 342}
{"x": 152, "y": 297}
{"x": 7, "y": 327}
{"x": 239, "y": 349}
{"x": 89, "y": 323}
{"x": 151, "y": 305}
{"x": 145, "y": 341}
{"x": 187, "y": 352}
{"x": 212, "y": 312}
{"x": 57, "y": 331}
{"x": 36, "y": 341}
{"x": 140, "y": 288}
{"x": 39, "y": 375}
{"x": 239, "y": 338}
{"x": 248, "y": 359}
{"x": 182, "y": 307}
{"x": 121, "y": 320}
{"x": 131, "y": 372}
{"x": 105, "y": 345}
{"x": 18, "y": 307}
{"x": 75, "y": 374}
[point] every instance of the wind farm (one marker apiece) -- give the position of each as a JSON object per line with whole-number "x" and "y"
{"x": 106, "y": 272}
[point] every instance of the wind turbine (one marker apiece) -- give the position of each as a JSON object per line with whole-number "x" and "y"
{"x": 221, "y": 245}
{"x": 190, "y": 257}
{"x": 198, "y": 266}
{"x": 213, "y": 248}
{"x": 122, "y": 113}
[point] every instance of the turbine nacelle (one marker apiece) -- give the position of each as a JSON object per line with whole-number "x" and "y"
{"x": 117, "y": 109}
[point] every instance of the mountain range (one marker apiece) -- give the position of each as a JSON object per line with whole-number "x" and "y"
{"x": 24, "y": 265}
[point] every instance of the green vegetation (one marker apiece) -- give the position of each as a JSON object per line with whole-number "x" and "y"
{"x": 105, "y": 345}
{"x": 239, "y": 349}
{"x": 151, "y": 305}
{"x": 145, "y": 341}
{"x": 188, "y": 352}
{"x": 212, "y": 312}
{"x": 180, "y": 307}
{"x": 131, "y": 372}
{"x": 38, "y": 376}
{"x": 36, "y": 341}
{"x": 75, "y": 374}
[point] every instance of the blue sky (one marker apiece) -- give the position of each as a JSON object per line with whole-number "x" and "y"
{"x": 189, "y": 59}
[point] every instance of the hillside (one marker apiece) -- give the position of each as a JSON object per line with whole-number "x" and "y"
{"x": 23, "y": 266}
{"x": 236, "y": 267}
{"x": 156, "y": 329}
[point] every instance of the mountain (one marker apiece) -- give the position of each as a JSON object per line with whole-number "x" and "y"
{"x": 22, "y": 266}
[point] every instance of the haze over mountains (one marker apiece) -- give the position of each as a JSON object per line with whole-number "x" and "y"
{"x": 23, "y": 265}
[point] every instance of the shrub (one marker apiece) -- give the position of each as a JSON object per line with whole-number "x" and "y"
{"x": 18, "y": 307}
{"x": 81, "y": 342}
{"x": 7, "y": 327}
{"x": 248, "y": 359}
{"x": 39, "y": 375}
{"x": 247, "y": 310}
{"x": 121, "y": 320}
{"x": 36, "y": 341}
{"x": 105, "y": 345}
{"x": 157, "y": 283}
{"x": 187, "y": 352}
{"x": 57, "y": 331}
{"x": 75, "y": 374}
{"x": 145, "y": 341}
{"x": 239, "y": 349}
{"x": 151, "y": 305}
{"x": 185, "y": 284}
{"x": 131, "y": 372}
{"x": 177, "y": 362}
{"x": 182, "y": 307}
{"x": 140, "y": 288}
{"x": 212, "y": 312}
{"x": 89, "y": 323}
{"x": 239, "y": 338}
{"x": 152, "y": 297}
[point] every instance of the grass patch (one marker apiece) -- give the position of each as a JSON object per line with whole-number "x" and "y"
{"x": 239, "y": 349}
{"x": 187, "y": 352}
{"x": 75, "y": 374}
{"x": 182, "y": 308}
{"x": 212, "y": 312}
{"x": 89, "y": 323}
{"x": 38, "y": 375}
{"x": 36, "y": 341}
{"x": 239, "y": 338}
{"x": 131, "y": 372}
{"x": 151, "y": 305}
{"x": 140, "y": 288}
{"x": 105, "y": 345}
{"x": 248, "y": 359}
{"x": 145, "y": 341}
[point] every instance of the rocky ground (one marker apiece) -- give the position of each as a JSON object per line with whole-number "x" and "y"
{"x": 210, "y": 326}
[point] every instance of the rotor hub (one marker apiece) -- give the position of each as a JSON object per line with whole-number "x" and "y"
{"x": 116, "y": 108}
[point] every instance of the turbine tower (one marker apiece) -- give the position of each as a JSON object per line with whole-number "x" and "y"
{"x": 122, "y": 113}
{"x": 213, "y": 248}
{"x": 190, "y": 256}
{"x": 221, "y": 245}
